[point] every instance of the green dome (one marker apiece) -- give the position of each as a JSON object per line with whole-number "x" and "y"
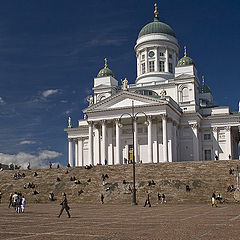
{"x": 204, "y": 89}
{"x": 185, "y": 61}
{"x": 156, "y": 27}
{"x": 105, "y": 72}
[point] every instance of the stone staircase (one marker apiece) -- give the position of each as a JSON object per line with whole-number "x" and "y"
{"x": 170, "y": 178}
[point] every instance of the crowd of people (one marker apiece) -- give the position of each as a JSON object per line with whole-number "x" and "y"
{"x": 18, "y": 202}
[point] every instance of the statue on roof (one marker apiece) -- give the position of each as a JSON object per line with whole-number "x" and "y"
{"x": 163, "y": 94}
{"x": 69, "y": 122}
{"x": 90, "y": 100}
{"x": 125, "y": 84}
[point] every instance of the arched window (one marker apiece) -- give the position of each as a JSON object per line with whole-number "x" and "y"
{"x": 185, "y": 94}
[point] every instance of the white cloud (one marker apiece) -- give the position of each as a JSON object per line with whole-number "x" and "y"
{"x": 2, "y": 101}
{"x": 49, "y": 92}
{"x": 22, "y": 159}
{"x": 27, "y": 142}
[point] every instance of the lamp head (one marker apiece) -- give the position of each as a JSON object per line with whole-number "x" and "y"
{"x": 146, "y": 123}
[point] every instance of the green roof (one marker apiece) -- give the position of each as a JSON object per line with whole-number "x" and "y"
{"x": 105, "y": 72}
{"x": 156, "y": 27}
{"x": 185, "y": 61}
{"x": 204, "y": 89}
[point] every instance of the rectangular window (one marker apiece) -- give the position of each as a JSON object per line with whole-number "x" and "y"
{"x": 161, "y": 54}
{"x": 207, "y": 155}
{"x": 143, "y": 68}
{"x": 207, "y": 136}
{"x": 151, "y": 66}
{"x": 161, "y": 66}
{"x": 143, "y": 56}
{"x": 170, "y": 55}
{"x": 170, "y": 68}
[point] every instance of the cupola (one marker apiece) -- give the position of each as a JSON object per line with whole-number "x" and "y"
{"x": 105, "y": 72}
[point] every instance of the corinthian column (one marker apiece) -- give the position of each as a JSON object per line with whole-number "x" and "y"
{"x": 70, "y": 152}
{"x": 76, "y": 152}
{"x": 150, "y": 146}
{"x": 90, "y": 143}
{"x": 80, "y": 152}
{"x": 195, "y": 142}
{"x": 117, "y": 160}
{"x": 104, "y": 154}
{"x": 164, "y": 129}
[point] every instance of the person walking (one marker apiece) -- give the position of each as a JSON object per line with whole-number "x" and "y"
{"x": 10, "y": 200}
{"x": 147, "y": 202}
{"x": 65, "y": 206}
{"x": 23, "y": 204}
{"x": 214, "y": 200}
{"x": 102, "y": 198}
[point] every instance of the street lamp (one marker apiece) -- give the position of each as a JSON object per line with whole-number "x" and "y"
{"x": 133, "y": 117}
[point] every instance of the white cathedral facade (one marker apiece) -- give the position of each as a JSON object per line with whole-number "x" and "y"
{"x": 174, "y": 116}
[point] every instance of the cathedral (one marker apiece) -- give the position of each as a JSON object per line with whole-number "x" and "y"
{"x": 167, "y": 115}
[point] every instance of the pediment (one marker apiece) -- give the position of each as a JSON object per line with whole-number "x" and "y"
{"x": 124, "y": 99}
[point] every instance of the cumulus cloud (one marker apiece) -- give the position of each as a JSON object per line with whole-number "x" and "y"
{"x": 49, "y": 92}
{"x": 27, "y": 142}
{"x": 36, "y": 161}
{"x": 2, "y": 101}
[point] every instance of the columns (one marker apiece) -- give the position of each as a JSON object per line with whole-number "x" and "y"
{"x": 175, "y": 142}
{"x": 110, "y": 147}
{"x": 70, "y": 152}
{"x": 195, "y": 142}
{"x": 166, "y": 63}
{"x": 96, "y": 150}
{"x": 104, "y": 152}
{"x": 164, "y": 129}
{"x": 215, "y": 142}
{"x": 90, "y": 143}
{"x": 135, "y": 141}
{"x": 228, "y": 142}
{"x": 80, "y": 152}
{"x": 76, "y": 152}
{"x": 150, "y": 146}
{"x": 170, "y": 141}
{"x": 117, "y": 160}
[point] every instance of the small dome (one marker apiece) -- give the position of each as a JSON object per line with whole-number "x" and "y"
{"x": 156, "y": 27}
{"x": 105, "y": 72}
{"x": 204, "y": 88}
{"x": 185, "y": 61}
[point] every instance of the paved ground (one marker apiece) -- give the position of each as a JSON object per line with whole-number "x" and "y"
{"x": 177, "y": 222}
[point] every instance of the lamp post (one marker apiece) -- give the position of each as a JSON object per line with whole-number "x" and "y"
{"x": 133, "y": 117}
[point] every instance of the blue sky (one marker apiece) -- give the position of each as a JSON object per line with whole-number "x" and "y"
{"x": 50, "y": 51}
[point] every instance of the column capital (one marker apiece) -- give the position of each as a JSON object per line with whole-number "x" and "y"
{"x": 215, "y": 129}
{"x": 227, "y": 128}
{"x": 116, "y": 120}
{"x": 104, "y": 122}
{"x": 90, "y": 122}
{"x": 164, "y": 116}
{"x": 75, "y": 140}
{"x": 175, "y": 123}
{"x": 70, "y": 139}
{"x": 194, "y": 125}
{"x": 149, "y": 117}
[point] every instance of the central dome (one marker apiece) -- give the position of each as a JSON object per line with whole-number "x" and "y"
{"x": 156, "y": 27}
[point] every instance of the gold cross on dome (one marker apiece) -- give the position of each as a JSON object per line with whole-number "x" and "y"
{"x": 185, "y": 51}
{"x": 105, "y": 59}
{"x": 156, "y": 10}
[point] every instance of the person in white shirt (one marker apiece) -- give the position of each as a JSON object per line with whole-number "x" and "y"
{"x": 23, "y": 204}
